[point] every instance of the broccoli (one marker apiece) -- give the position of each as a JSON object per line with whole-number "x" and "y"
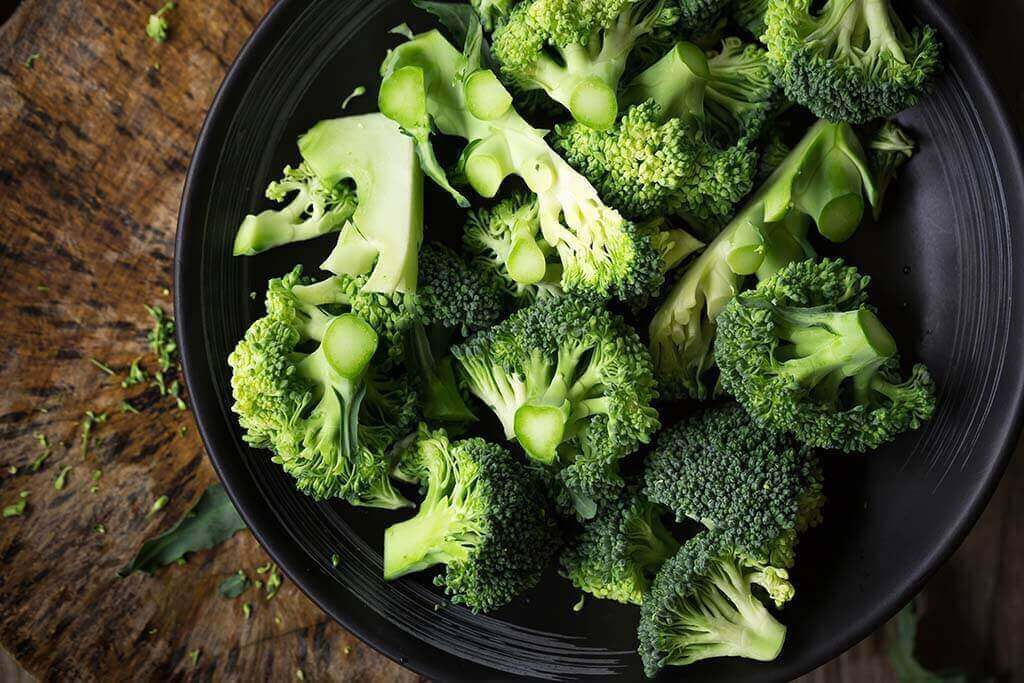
{"x": 701, "y": 605}
{"x": 750, "y": 15}
{"x": 482, "y": 516}
{"x": 315, "y": 209}
{"x": 619, "y": 551}
{"x": 452, "y": 298}
{"x": 804, "y": 354}
{"x": 755, "y": 488}
{"x": 491, "y": 12}
{"x": 683, "y": 145}
{"x": 590, "y": 41}
{"x": 825, "y": 178}
{"x": 891, "y": 148}
{"x": 381, "y": 229}
{"x": 700, "y": 16}
{"x": 852, "y": 60}
{"x": 326, "y": 415}
{"x": 428, "y": 83}
{"x": 572, "y": 383}
{"x": 156, "y": 25}
{"x": 505, "y": 240}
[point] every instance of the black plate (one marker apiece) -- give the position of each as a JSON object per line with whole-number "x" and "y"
{"x": 943, "y": 260}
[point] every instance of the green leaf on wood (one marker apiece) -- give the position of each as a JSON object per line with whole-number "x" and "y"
{"x": 212, "y": 521}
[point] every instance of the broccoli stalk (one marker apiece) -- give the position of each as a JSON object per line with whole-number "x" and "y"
{"x": 425, "y": 86}
{"x": 591, "y": 41}
{"x": 891, "y": 148}
{"x": 805, "y": 355}
{"x": 701, "y": 606}
{"x": 482, "y": 516}
{"x": 851, "y": 60}
{"x": 441, "y": 398}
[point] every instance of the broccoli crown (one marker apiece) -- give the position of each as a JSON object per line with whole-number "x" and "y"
{"x": 646, "y": 166}
{"x": 805, "y": 354}
{"x": 575, "y": 50}
{"x": 750, "y": 15}
{"x": 505, "y": 241}
{"x": 326, "y": 416}
{"x": 426, "y": 86}
{"x": 853, "y": 60}
{"x": 619, "y": 551}
{"x": 741, "y": 92}
{"x": 453, "y": 294}
{"x": 482, "y": 516}
{"x": 890, "y": 149}
{"x": 316, "y": 208}
{"x": 570, "y": 381}
{"x": 702, "y": 605}
{"x": 753, "y": 487}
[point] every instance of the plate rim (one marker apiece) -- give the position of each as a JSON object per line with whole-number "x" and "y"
{"x": 206, "y": 409}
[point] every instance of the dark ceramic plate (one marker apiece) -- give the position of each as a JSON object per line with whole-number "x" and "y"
{"x": 943, "y": 260}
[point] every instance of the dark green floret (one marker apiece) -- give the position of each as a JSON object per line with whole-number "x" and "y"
{"x": 849, "y": 60}
{"x": 482, "y": 516}
{"x": 304, "y": 388}
{"x": 700, "y": 16}
{"x": 757, "y": 489}
{"x": 702, "y": 605}
{"x": 805, "y": 354}
{"x": 620, "y": 550}
{"x": 571, "y": 382}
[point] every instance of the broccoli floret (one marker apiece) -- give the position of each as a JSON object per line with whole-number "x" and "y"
{"x": 750, "y": 15}
{"x": 325, "y": 415}
{"x": 574, "y": 50}
{"x": 492, "y": 12}
{"x": 773, "y": 154}
{"x": 619, "y": 551}
{"x": 804, "y": 354}
{"x": 428, "y": 83}
{"x": 702, "y": 605}
{"x": 483, "y": 516}
{"x": 826, "y": 178}
{"x": 852, "y": 60}
{"x": 754, "y": 487}
{"x": 890, "y": 149}
{"x": 454, "y": 299}
{"x": 700, "y": 16}
{"x": 571, "y": 382}
{"x": 505, "y": 241}
{"x": 315, "y": 209}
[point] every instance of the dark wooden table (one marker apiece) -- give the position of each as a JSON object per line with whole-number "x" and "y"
{"x": 95, "y": 139}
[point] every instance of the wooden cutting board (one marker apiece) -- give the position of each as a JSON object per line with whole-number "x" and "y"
{"x": 95, "y": 139}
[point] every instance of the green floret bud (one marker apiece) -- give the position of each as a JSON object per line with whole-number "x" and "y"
{"x": 620, "y": 550}
{"x": 575, "y": 51}
{"x": 700, "y": 16}
{"x": 756, "y": 489}
{"x": 315, "y": 209}
{"x": 702, "y": 606}
{"x": 570, "y": 382}
{"x": 453, "y": 294}
{"x": 482, "y": 516}
{"x": 804, "y": 354}
{"x": 851, "y": 60}
{"x": 424, "y": 88}
{"x": 505, "y": 241}
{"x": 891, "y": 148}
{"x": 328, "y": 418}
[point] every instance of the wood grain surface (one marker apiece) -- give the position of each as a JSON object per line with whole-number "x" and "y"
{"x": 95, "y": 139}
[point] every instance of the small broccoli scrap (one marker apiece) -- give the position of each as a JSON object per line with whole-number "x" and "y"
{"x": 805, "y": 354}
{"x": 572, "y": 383}
{"x": 702, "y": 605}
{"x": 327, "y": 415}
{"x": 619, "y": 551}
{"x": 156, "y": 25}
{"x": 482, "y": 516}
{"x": 755, "y": 488}
{"x": 849, "y": 60}
{"x": 890, "y": 149}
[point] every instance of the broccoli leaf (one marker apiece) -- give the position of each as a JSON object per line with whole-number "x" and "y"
{"x": 901, "y": 652}
{"x": 209, "y": 523}
{"x": 457, "y": 18}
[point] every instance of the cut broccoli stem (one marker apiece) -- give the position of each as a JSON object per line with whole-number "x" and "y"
{"x": 424, "y": 540}
{"x": 349, "y": 343}
{"x": 500, "y": 391}
{"x": 487, "y": 164}
{"x": 677, "y": 83}
{"x": 740, "y": 626}
{"x": 486, "y": 98}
